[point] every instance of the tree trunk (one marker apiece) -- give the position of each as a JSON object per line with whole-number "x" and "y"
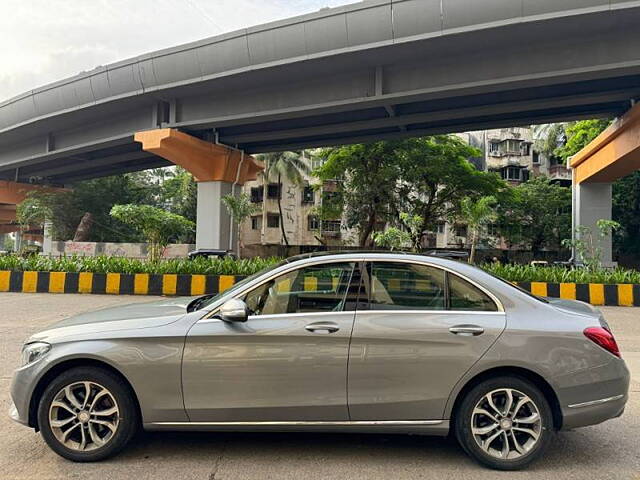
{"x": 366, "y": 232}
{"x": 84, "y": 228}
{"x": 263, "y": 230}
{"x": 284, "y": 234}
{"x": 472, "y": 254}
{"x": 239, "y": 242}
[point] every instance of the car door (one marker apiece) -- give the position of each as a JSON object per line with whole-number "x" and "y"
{"x": 288, "y": 362}
{"x": 423, "y": 329}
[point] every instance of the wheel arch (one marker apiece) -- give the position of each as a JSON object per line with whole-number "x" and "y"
{"x": 527, "y": 374}
{"x": 65, "y": 365}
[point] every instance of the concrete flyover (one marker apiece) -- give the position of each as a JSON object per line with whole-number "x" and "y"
{"x": 366, "y": 71}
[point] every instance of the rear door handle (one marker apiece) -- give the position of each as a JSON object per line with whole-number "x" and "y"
{"x": 322, "y": 327}
{"x": 467, "y": 330}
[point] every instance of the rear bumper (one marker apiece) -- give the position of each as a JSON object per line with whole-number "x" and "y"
{"x": 596, "y": 395}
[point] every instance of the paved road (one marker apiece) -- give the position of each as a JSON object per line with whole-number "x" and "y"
{"x": 610, "y": 450}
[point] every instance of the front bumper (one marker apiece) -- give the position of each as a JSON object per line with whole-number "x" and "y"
{"x": 23, "y": 385}
{"x": 15, "y": 415}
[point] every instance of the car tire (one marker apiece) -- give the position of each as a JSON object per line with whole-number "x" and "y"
{"x": 486, "y": 419}
{"x": 87, "y": 414}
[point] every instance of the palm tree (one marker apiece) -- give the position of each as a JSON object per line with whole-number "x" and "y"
{"x": 291, "y": 165}
{"x": 476, "y": 214}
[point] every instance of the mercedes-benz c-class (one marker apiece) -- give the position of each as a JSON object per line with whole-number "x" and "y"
{"x": 349, "y": 342}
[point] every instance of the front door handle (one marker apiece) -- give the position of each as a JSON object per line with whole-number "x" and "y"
{"x": 322, "y": 327}
{"x": 467, "y": 330}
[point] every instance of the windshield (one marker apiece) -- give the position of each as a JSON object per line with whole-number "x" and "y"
{"x": 239, "y": 285}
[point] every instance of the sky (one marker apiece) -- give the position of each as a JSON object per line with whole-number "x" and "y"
{"x": 42, "y": 41}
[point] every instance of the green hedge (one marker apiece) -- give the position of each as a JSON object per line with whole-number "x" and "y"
{"x": 555, "y": 274}
{"x": 228, "y": 266}
{"x": 104, "y": 264}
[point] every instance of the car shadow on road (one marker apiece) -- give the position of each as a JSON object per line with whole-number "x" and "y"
{"x": 369, "y": 451}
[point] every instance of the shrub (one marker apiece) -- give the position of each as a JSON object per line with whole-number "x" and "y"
{"x": 558, "y": 274}
{"x": 104, "y": 264}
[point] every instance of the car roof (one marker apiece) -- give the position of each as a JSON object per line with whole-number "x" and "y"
{"x": 370, "y": 254}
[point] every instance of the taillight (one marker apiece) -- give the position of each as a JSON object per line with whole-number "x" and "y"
{"x": 603, "y": 337}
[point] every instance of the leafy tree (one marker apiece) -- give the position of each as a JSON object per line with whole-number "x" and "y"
{"x": 158, "y": 226}
{"x": 66, "y": 209}
{"x": 291, "y": 165}
{"x": 477, "y": 214}
{"x": 394, "y": 237}
{"x": 435, "y": 176}
{"x": 240, "y": 208}
{"x": 36, "y": 208}
{"x": 626, "y": 210}
{"x": 579, "y": 134}
{"x": 366, "y": 192}
{"x": 424, "y": 177}
{"x": 537, "y": 215}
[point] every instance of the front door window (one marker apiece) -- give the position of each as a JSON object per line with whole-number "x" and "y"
{"x": 316, "y": 288}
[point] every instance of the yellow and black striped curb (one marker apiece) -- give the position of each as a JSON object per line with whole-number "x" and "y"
{"x": 115, "y": 283}
{"x": 627, "y": 295}
{"x": 616, "y": 295}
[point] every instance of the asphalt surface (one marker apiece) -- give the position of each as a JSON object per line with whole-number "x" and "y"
{"x": 610, "y": 450}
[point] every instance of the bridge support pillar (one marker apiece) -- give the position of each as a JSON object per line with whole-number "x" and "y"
{"x": 219, "y": 170}
{"x": 214, "y": 226}
{"x": 593, "y": 203}
{"x": 613, "y": 154}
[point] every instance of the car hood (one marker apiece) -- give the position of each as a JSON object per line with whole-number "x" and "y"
{"x": 574, "y": 306}
{"x": 129, "y": 316}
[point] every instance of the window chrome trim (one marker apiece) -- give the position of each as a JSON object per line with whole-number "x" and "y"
{"x": 309, "y": 423}
{"x": 357, "y": 259}
{"x": 596, "y": 402}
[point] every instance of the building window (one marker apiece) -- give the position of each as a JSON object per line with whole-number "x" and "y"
{"x": 313, "y": 223}
{"x": 492, "y": 230}
{"x": 331, "y": 225}
{"x": 308, "y": 195}
{"x": 512, "y": 173}
{"x": 536, "y": 158}
{"x": 511, "y": 147}
{"x": 494, "y": 148}
{"x": 440, "y": 227}
{"x": 273, "y": 221}
{"x": 256, "y": 223}
{"x": 461, "y": 230}
{"x": 317, "y": 162}
{"x": 273, "y": 190}
{"x": 256, "y": 194}
{"x": 525, "y": 148}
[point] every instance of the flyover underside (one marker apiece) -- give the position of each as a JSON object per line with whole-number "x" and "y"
{"x": 532, "y": 72}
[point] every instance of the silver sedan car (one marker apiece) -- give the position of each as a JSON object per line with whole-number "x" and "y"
{"x": 350, "y": 342}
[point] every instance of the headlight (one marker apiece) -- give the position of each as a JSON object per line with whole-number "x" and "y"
{"x": 34, "y": 351}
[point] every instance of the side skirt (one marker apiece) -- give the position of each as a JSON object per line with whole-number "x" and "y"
{"x": 421, "y": 427}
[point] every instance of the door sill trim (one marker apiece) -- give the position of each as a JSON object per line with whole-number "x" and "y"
{"x": 355, "y": 423}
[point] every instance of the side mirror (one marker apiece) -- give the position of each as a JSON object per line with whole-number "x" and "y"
{"x": 234, "y": 310}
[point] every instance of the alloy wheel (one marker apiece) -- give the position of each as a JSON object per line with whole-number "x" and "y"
{"x": 506, "y": 424}
{"x": 84, "y": 416}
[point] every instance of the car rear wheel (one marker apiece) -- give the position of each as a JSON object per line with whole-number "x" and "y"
{"x": 504, "y": 423}
{"x": 87, "y": 414}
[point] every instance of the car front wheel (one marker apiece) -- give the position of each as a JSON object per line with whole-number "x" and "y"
{"x": 504, "y": 423}
{"x": 87, "y": 414}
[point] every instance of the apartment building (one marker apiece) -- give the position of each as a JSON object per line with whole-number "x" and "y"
{"x": 301, "y": 223}
{"x": 510, "y": 152}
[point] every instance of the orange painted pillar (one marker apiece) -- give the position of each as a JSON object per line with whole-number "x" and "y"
{"x": 219, "y": 171}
